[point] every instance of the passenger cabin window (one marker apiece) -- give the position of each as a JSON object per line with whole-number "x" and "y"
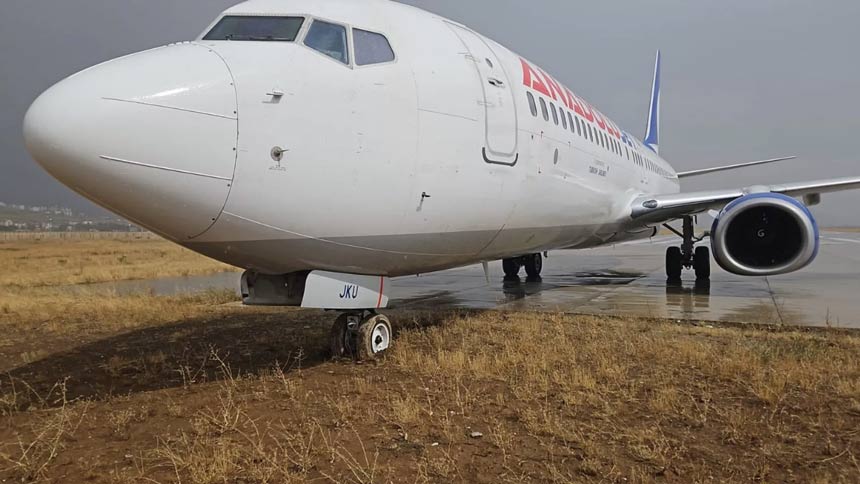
{"x": 371, "y": 48}
{"x": 554, "y": 113}
{"x": 563, "y": 118}
{"x": 543, "y": 110}
{"x": 253, "y": 28}
{"x": 532, "y": 104}
{"x": 328, "y": 39}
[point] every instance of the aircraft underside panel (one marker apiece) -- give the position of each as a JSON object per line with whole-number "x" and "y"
{"x": 277, "y": 252}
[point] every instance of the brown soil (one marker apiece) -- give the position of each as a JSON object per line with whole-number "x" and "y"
{"x": 247, "y": 395}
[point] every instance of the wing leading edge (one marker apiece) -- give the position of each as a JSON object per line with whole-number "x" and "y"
{"x": 664, "y": 208}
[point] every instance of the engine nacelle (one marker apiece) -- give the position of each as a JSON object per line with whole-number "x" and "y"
{"x": 764, "y": 234}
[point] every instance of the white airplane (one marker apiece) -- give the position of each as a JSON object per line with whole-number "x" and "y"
{"x": 327, "y": 146}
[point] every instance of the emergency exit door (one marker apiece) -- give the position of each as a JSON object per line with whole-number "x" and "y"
{"x": 500, "y": 120}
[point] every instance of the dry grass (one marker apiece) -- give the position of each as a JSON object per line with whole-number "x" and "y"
{"x": 106, "y": 388}
{"x": 557, "y": 398}
{"x": 36, "y": 263}
{"x": 35, "y": 293}
{"x": 37, "y": 445}
{"x": 58, "y": 313}
{"x": 608, "y": 400}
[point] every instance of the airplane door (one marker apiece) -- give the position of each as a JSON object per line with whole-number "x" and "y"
{"x": 499, "y": 106}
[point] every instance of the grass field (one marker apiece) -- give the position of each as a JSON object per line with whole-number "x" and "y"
{"x": 198, "y": 389}
{"x": 39, "y": 263}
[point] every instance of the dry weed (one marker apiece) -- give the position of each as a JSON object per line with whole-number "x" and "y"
{"x": 34, "y": 263}
{"x": 36, "y": 448}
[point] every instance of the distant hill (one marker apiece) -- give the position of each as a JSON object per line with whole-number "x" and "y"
{"x": 25, "y": 218}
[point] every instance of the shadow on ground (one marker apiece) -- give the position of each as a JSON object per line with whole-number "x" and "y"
{"x": 243, "y": 341}
{"x": 175, "y": 355}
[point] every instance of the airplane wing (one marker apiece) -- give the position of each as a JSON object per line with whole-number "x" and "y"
{"x": 664, "y": 208}
{"x": 707, "y": 171}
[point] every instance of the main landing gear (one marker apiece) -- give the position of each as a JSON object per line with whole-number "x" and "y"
{"x": 679, "y": 258}
{"x": 532, "y": 262}
{"x": 361, "y": 335}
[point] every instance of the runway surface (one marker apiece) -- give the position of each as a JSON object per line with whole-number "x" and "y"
{"x": 629, "y": 279}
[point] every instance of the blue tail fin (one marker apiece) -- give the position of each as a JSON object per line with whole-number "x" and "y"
{"x": 652, "y": 133}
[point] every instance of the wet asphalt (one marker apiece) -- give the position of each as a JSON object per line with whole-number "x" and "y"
{"x": 630, "y": 280}
{"x": 623, "y": 280}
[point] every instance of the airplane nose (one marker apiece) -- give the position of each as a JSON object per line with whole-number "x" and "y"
{"x": 151, "y": 136}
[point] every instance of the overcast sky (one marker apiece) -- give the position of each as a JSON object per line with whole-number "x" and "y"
{"x": 742, "y": 80}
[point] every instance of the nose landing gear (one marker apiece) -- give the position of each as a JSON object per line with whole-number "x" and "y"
{"x": 685, "y": 257}
{"x": 363, "y": 336}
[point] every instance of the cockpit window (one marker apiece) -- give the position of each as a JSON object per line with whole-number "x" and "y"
{"x": 371, "y": 48}
{"x": 329, "y": 39}
{"x": 277, "y": 29}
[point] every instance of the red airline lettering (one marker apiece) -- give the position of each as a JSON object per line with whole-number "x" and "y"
{"x": 532, "y": 80}
{"x": 537, "y": 79}
{"x": 599, "y": 119}
{"x": 583, "y": 109}
{"x": 555, "y": 89}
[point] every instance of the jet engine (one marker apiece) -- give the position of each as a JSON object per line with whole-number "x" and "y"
{"x": 764, "y": 234}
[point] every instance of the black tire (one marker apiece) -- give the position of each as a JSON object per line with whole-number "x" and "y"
{"x": 341, "y": 341}
{"x": 534, "y": 265}
{"x": 674, "y": 263}
{"x": 511, "y": 267}
{"x": 374, "y": 338}
{"x": 702, "y": 263}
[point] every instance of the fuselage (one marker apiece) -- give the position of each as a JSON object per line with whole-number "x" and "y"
{"x": 277, "y": 157}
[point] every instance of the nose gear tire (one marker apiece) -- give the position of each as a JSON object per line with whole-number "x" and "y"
{"x": 373, "y": 338}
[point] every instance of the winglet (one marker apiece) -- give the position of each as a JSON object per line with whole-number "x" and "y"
{"x": 652, "y": 132}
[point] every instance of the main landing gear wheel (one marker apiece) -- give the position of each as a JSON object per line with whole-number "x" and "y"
{"x": 674, "y": 263}
{"x": 686, "y": 257}
{"x": 532, "y": 262}
{"x": 702, "y": 263}
{"x": 511, "y": 267}
{"x": 534, "y": 265}
{"x": 361, "y": 336}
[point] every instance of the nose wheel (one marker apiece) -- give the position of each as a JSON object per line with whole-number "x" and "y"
{"x": 363, "y": 336}
{"x": 686, "y": 257}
